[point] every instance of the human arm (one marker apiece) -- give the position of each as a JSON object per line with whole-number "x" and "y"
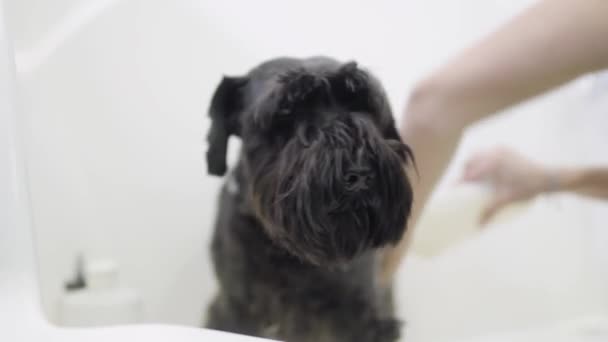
{"x": 547, "y": 45}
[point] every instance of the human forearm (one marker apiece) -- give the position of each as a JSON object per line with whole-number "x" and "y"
{"x": 544, "y": 47}
{"x": 592, "y": 182}
{"x": 547, "y": 45}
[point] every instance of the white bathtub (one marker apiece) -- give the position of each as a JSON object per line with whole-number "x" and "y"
{"x": 114, "y": 95}
{"x": 21, "y": 316}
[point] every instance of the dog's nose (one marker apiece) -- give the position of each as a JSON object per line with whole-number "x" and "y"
{"x": 357, "y": 180}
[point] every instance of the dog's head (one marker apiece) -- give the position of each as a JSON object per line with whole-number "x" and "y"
{"x": 324, "y": 162}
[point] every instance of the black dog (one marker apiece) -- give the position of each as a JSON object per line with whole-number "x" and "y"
{"x": 319, "y": 187}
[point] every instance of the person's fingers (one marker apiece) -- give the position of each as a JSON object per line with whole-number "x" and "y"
{"x": 478, "y": 168}
{"x": 493, "y": 207}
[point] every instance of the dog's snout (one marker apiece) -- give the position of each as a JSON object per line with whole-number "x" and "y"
{"x": 357, "y": 180}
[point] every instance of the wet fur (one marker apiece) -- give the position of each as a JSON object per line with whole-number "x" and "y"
{"x": 321, "y": 187}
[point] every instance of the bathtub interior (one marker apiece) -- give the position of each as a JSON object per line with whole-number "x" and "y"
{"x": 114, "y": 95}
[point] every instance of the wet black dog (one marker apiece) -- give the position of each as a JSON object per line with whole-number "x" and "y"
{"x": 320, "y": 186}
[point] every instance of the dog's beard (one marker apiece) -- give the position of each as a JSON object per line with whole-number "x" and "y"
{"x": 307, "y": 206}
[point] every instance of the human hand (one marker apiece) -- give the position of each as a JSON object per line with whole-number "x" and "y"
{"x": 512, "y": 177}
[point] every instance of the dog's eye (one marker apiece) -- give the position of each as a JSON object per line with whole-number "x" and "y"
{"x": 283, "y": 113}
{"x": 306, "y": 134}
{"x": 282, "y": 124}
{"x": 351, "y": 178}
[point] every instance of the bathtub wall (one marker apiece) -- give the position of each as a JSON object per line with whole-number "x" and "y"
{"x": 115, "y": 142}
{"x": 115, "y": 94}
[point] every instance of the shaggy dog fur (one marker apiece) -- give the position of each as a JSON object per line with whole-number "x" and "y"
{"x": 319, "y": 187}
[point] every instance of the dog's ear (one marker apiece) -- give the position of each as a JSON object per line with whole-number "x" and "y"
{"x": 361, "y": 91}
{"x": 350, "y": 81}
{"x": 226, "y": 105}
